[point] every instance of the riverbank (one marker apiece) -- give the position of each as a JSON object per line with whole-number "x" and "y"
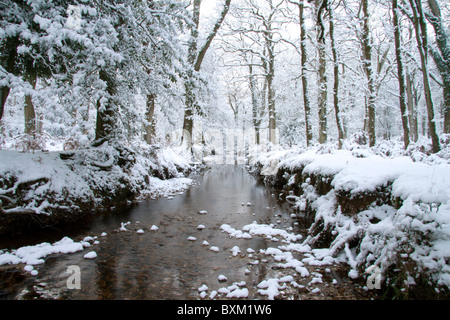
{"x": 44, "y": 189}
{"x": 386, "y": 216}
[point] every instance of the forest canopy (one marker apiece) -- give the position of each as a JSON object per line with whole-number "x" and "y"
{"x": 288, "y": 71}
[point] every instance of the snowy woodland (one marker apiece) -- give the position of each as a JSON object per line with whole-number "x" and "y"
{"x": 334, "y": 101}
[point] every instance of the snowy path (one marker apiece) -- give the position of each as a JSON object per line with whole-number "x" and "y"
{"x": 225, "y": 238}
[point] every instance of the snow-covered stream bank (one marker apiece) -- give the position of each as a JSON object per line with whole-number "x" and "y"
{"x": 46, "y": 189}
{"x": 386, "y": 217}
{"x": 226, "y": 237}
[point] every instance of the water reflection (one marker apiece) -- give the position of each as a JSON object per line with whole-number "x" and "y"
{"x": 163, "y": 264}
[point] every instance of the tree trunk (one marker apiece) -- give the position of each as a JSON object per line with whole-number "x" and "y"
{"x": 270, "y": 89}
{"x": 4, "y": 92}
{"x": 367, "y": 65}
{"x": 306, "y": 105}
{"x": 447, "y": 109}
{"x": 322, "y": 78}
{"x": 441, "y": 57}
{"x": 188, "y": 121}
{"x": 412, "y": 108}
{"x": 106, "y": 110}
{"x": 255, "y": 114}
{"x": 29, "y": 112}
{"x": 400, "y": 73}
{"x": 336, "y": 82}
{"x": 8, "y": 62}
{"x": 150, "y": 129}
{"x": 195, "y": 59}
{"x": 421, "y": 38}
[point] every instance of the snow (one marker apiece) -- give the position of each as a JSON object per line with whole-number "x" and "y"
{"x": 90, "y": 255}
{"x": 123, "y": 226}
{"x": 423, "y": 181}
{"x": 315, "y": 290}
{"x": 382, "y": 230}
{"x": 28, "y": 268}
{"x": 238, "y": 293}
{"x": 270, "y": 288}
{"x": 53, "y": 183}
{"x": 235, "y": 233}
{"x": 423, "y": 211}
{"x": 213, "y": 294}
{"x": 47, "y": 167}
{"x": 166, "y": 188}
{"x": 222, "y": 278}
{"x": 33, "y": 255}
{"x": 203, "y": 287}
{"x": 235, "y": 250}
{"x": 255, "y": 229}
{"x": 9, "y": 258}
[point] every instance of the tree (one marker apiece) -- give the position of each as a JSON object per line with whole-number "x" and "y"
{"x": 441, "y": 56}
{"x": 265, "y": 15}
{"x": 269, "y": 62}
{"x": 420, "y": 29}
{"x": 367, "y": 65}
{"x": 105, "y": 56}
{"x": 320, "y": 10}
{"x": 303, "y": 74}
{"x": 27, "y": 53}
{"x": 336, "y": 81}
{"x": 240, "y": 42}
{"x": 257, "y": 110}
{"x": 139, "y": 54}
{"x": 195, "y": 60}
{"x": 7, "y": 64}
{"x": 400, "y": 73}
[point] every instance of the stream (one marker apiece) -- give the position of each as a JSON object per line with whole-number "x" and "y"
{"x": 187, "y": 251}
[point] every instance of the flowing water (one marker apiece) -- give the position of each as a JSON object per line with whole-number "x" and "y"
{"x": 163, "y": 263}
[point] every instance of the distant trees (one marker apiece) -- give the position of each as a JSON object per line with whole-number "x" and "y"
{"x": 118, "y": 68}
{"x": 257, "y": 32}
{"x": 357, "y": 62}
{"x": 194, "y": 61}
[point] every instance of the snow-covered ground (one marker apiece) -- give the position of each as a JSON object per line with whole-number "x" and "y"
{"x": 405, "y": 224}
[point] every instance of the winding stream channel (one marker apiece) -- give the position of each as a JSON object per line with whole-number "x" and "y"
{"x": 178, "y": 258}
